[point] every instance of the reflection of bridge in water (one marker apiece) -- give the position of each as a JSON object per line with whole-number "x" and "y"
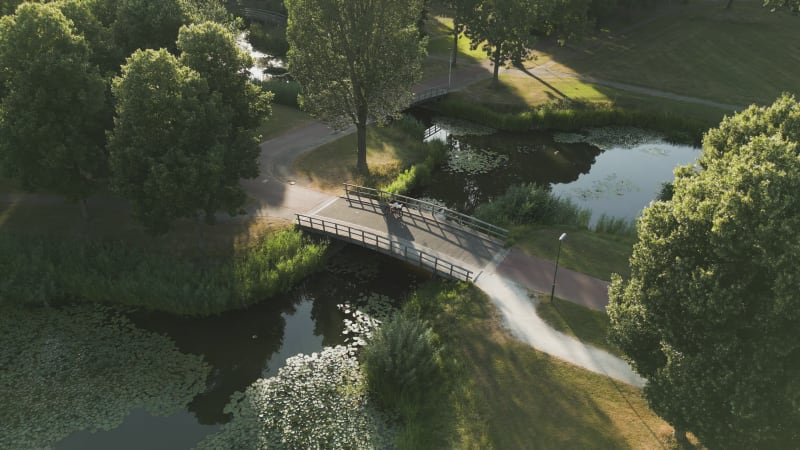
{"x": 435, "y": 238}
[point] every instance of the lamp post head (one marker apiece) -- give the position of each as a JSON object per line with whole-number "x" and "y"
{"x": 562, "y": 237}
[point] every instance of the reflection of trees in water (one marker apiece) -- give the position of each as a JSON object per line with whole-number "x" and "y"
{"x": 532, "y": 157}
{"x": 237, "y": 344}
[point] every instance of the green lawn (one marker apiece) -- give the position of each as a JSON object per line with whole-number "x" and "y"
{"x": 596, "y": 254}
{"x": 282, "y": 120}
{"x": 390, "y": 150}
{"x": 516, "y": 92}
{"x": 508, "y": 395}
{"x": 736, "y": 56}
{"x": 588, "y": 325}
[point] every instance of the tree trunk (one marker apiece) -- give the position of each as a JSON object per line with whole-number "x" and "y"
{"x": 496, "y": 58}
{"x": 361, "y": 128}
{"x": 729, "y": 5}
{"x": 454, "y": 54}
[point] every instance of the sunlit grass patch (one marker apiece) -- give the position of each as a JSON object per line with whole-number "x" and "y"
{"x": 587, "y": 325}
{"x": 509, "y": 395}
{"x": 390, "y": 150}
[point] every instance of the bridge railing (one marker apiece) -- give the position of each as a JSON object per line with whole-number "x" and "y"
{"x": 429, "y": 94}
{"x": 357, "y": 193}
{"x": 385, "y": 245}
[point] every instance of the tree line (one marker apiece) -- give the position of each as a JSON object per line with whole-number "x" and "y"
{"x": 150, "y": 98}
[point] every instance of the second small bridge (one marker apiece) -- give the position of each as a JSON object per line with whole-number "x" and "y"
{"x": 441, "y": 240}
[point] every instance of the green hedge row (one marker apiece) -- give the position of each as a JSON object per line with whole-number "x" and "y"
{"x": 574, "y": 117}
{"x": 45, "y": 271}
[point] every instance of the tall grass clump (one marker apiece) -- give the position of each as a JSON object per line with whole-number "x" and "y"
{"x": 524, "y": 204}
{"x": 615, "y": 225}
{"x": 403, "y": 369}
{"x": 45, "y": 271}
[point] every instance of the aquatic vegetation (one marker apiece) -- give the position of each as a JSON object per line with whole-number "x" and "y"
{"x": 606, "y": 138}
{"x": 463, "y": 158}
{"x": 315, "y": 401}
{"x": 612, "y": 184}
{"x": 84, "y": 368}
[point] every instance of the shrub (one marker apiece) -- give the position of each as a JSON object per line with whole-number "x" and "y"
{"x": 402, "y": 364}
{"x": 615, "y": 225}
{"x": 419, "y": 174}
{"x": 530, "y": 203}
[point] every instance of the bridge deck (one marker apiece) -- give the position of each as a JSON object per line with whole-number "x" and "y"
{"x": 423, "y": 231}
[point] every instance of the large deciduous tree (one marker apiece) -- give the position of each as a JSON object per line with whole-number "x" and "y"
{"x": 166, "y": 150}
{"x": 52, "y": 104}
{"x": 211, "y": 50}
{"x": 711, "y": 311}
{"x": 355, "y": 59}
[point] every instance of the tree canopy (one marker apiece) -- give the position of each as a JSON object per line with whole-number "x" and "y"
{"x": 52, "y": 104}
{"x": 355, "y": 60}
{"x": 711, "y": 311}
{"x": 167, "y": 149}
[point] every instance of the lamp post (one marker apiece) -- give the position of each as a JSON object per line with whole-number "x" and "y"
{"x": 558, "y": 255}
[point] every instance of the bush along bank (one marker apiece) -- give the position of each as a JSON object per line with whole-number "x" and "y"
{"x": 46, "y": 271}
{"x": 419, "y": 174}
{"x": 574, "y": 116}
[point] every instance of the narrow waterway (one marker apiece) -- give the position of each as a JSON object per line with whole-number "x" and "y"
{"x": 242, "y": 346}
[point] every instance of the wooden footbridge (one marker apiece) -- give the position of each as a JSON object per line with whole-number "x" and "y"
{"x": 438, "y": 239}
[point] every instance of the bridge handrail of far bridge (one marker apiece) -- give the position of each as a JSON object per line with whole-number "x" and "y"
{"x": 385, "y": 245}
{"x": 410, "y": 203}
{"x": 429, "y": 94}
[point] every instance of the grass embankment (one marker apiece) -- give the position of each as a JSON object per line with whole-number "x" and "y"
{"x": 701, "y": 50}
{"x": 43, "y": 271}
{"x": 589, "y": 252}
{"x": 587, "y": 325}
{"x": 506, "y": 394}
{"x": 390, "y": 150}
{"x": 440, "y": 48}
{"x": 283, "y": 120}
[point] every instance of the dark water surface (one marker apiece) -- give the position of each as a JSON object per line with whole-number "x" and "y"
{"x": 242, "y": 346}
{"x": 618, "y": 181}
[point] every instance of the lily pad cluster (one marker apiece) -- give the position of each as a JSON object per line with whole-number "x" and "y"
{"x": 84, "y": 368}
{"x": 607, "y": 138}
{"x": 315, "y": 401}
{"x": 610, "y": 185}
{"x": 468, "y": 160}
{"x": 362, "y": 320}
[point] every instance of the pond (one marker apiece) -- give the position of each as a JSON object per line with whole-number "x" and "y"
{"x": 238, "y": 347}
{"x": 615, "y": 172}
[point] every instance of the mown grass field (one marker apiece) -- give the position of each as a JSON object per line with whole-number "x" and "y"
{"x": 596, "y": 254}
{"x": 510, "y": 396}
{"x": 283, "y": 120}
{"x": 739, "y": 56}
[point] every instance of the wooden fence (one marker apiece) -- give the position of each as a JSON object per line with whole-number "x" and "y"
{"x": 358, "y": 193}
{"x": 386, "y": 246}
